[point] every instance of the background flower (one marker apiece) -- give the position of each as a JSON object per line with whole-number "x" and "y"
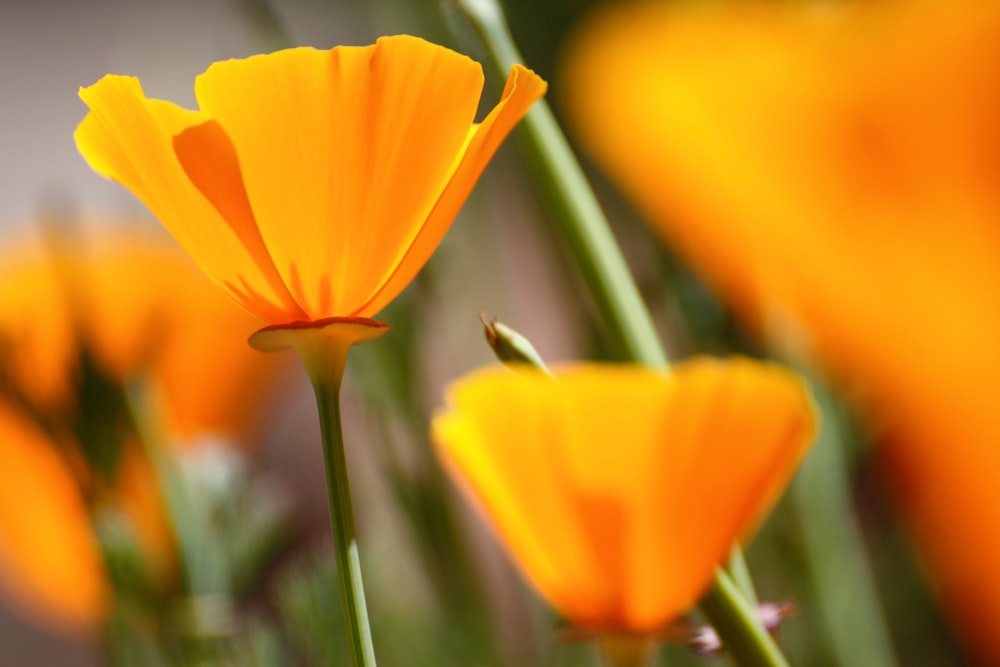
{"x": 89, "y": 310}
{"x": 832, "y": 171}
{"x": 49, "y": 560}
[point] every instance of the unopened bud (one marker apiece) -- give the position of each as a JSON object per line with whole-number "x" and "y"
{"x": 511, "y": 347}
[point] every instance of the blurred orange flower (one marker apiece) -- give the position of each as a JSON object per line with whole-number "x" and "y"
{"x": 833, "y": 171}
{"x": 49, "y": 559}
{"x": 310, "y": 184}
{"x": 142, "y": 312}
{"x": 618, "y": 489}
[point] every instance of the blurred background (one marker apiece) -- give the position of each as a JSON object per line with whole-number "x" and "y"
{"x": 257, "y": 478}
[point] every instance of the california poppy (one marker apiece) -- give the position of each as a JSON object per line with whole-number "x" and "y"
{"x": 126, "y": 305}
{"x": 619, "y": 489}
{"x": 310, "y": 184}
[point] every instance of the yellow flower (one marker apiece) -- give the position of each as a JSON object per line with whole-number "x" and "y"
{"x": 835, "y": 167}
{"x": 310, "y": 184}
{"x": 618, "y": 489}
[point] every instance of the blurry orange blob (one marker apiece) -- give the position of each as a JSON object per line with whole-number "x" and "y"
{"x": 134, "y": 304}
{"x": 49, "y": 559}
{"x": 143, "y": 311}
{"x": 834, "y": 170}
{"x": 618, "y": 489}
{"x": 310, "y": 184}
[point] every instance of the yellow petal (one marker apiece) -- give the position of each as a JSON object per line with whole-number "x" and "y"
{"x": 129, "y": 139}
{"x": 344, "y": 153}
{"x": 49, "y": 560}
{"x": 619, "y": 489}
{"x": 523, "y": 89}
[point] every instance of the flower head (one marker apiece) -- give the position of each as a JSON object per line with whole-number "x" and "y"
{"x": 834, "y": 167}
{"x": 618, "y": 489}
{"x": 80, "y": 317}
{"x": 309, "y": 184}
{"x": 134, "y": 305}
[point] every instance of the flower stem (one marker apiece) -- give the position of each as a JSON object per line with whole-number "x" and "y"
{"x": 740, "y": 572}
{"x": 743, "y": 636}
{"x": 327, "y": 388}
{"x": 578, "y": 213}
{"x": 322, "y": 347}
{"x": 559, "y": 176}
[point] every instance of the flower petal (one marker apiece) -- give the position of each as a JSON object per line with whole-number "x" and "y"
{"x": 730, "y": 436}
{"x": 128, "y": 138}
{"x": 362, "y": 142}
{"x": 523, "y": 89}
{"x": 496, "y": 457}
{"x": 36, "y": 331}
{"x": 49, "y": 560}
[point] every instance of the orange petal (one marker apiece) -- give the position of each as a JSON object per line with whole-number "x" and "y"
{"x": 619, "y": 489}
{"x": 49, "y": 560}
{"x": 729, "y": 440}
{"x": 523, "y": 89}
{"x": 129, "y": 139}
{"x": 344, "y": 153}
{"x": 37, "y": 338}
{"x": 495, "y": 457}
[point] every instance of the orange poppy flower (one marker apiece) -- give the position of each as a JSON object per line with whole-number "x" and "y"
{"x": 834, "y": 169}
{"x": 310, "y": 184}
{"x": 143, "y": 312}
{"x": 619, "y": 489}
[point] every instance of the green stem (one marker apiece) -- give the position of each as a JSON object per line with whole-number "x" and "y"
{"x": 743, "y": 636}
{"x": 841, "y": 577}
{"x": 327, "y": 388}
{"x": 322, "y": 348}
{"x": 560, "y": 177}
{"x": 740, "y": 573}
{"x": 578, "y": 213}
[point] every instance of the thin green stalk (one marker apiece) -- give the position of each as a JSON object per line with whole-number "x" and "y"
{"x": 327, "y": 388}
{"x": 579, "y": 215}
{"x": 322, "y": 348}
{"x": 740, "y": 572}
{"x": 743, "y": 636}
{"x": 560, "y": 177}
{"x": 841, "y": 577}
